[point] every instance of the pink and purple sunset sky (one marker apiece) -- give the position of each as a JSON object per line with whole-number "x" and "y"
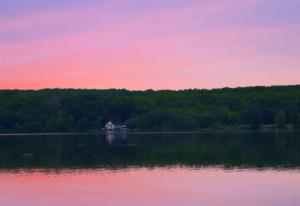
{"x": 142, "y": 44}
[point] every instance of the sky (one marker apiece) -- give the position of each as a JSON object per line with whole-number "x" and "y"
{"x": 142, "y": 44}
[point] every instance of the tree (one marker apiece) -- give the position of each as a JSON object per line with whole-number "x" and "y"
{"x": 255, "y": 120}
{"x": 296, "y": 121}
{"x": 281, "y": 120}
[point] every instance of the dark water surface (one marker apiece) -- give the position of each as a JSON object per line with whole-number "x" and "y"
{"x": 258, "y": 169}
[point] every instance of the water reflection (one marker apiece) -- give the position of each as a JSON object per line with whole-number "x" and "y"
{"x": 152, "y": 169}
{"x": 148, "y": 187}
{"x": 118, "y": 151}
{"x": 113, "y": 135}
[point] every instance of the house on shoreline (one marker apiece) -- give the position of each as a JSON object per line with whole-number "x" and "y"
{"x": 114, "y": 127}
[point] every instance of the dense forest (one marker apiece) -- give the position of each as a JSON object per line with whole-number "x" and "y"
{"x": 74, "y": 110}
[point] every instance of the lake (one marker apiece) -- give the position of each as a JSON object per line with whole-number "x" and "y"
{"x": 215, "y": 169}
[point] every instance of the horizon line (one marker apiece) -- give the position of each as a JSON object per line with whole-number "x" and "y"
{"x": 148, "y": 89}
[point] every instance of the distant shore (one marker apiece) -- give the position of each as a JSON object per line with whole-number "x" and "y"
{"x": 86, "y": 111}
{"x": 209, "y": 131}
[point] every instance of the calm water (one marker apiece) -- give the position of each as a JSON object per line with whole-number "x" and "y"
{"x": 151, "y": 169}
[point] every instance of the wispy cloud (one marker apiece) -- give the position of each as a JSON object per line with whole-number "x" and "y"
{"x": 197, "y": 43}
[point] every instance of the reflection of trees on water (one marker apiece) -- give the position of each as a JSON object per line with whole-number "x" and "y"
{"x": 116, "y": 150}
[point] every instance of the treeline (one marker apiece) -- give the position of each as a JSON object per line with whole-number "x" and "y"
{"x": 71, "y": 110}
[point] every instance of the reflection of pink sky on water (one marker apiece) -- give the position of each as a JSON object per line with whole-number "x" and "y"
{"x": 177, "y": 186}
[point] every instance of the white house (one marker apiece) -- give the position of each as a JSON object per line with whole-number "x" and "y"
{"x": 109, "y": 126}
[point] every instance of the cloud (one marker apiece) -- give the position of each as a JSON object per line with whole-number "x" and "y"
{"x": 203, "y": 43}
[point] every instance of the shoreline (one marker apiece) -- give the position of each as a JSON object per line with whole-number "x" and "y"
{"x": 208, "y": 131}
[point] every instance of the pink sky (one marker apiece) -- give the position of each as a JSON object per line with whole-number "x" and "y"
{"x": 140, "y": 44}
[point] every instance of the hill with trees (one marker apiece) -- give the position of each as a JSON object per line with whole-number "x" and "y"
{"x": 74, "y": 110}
